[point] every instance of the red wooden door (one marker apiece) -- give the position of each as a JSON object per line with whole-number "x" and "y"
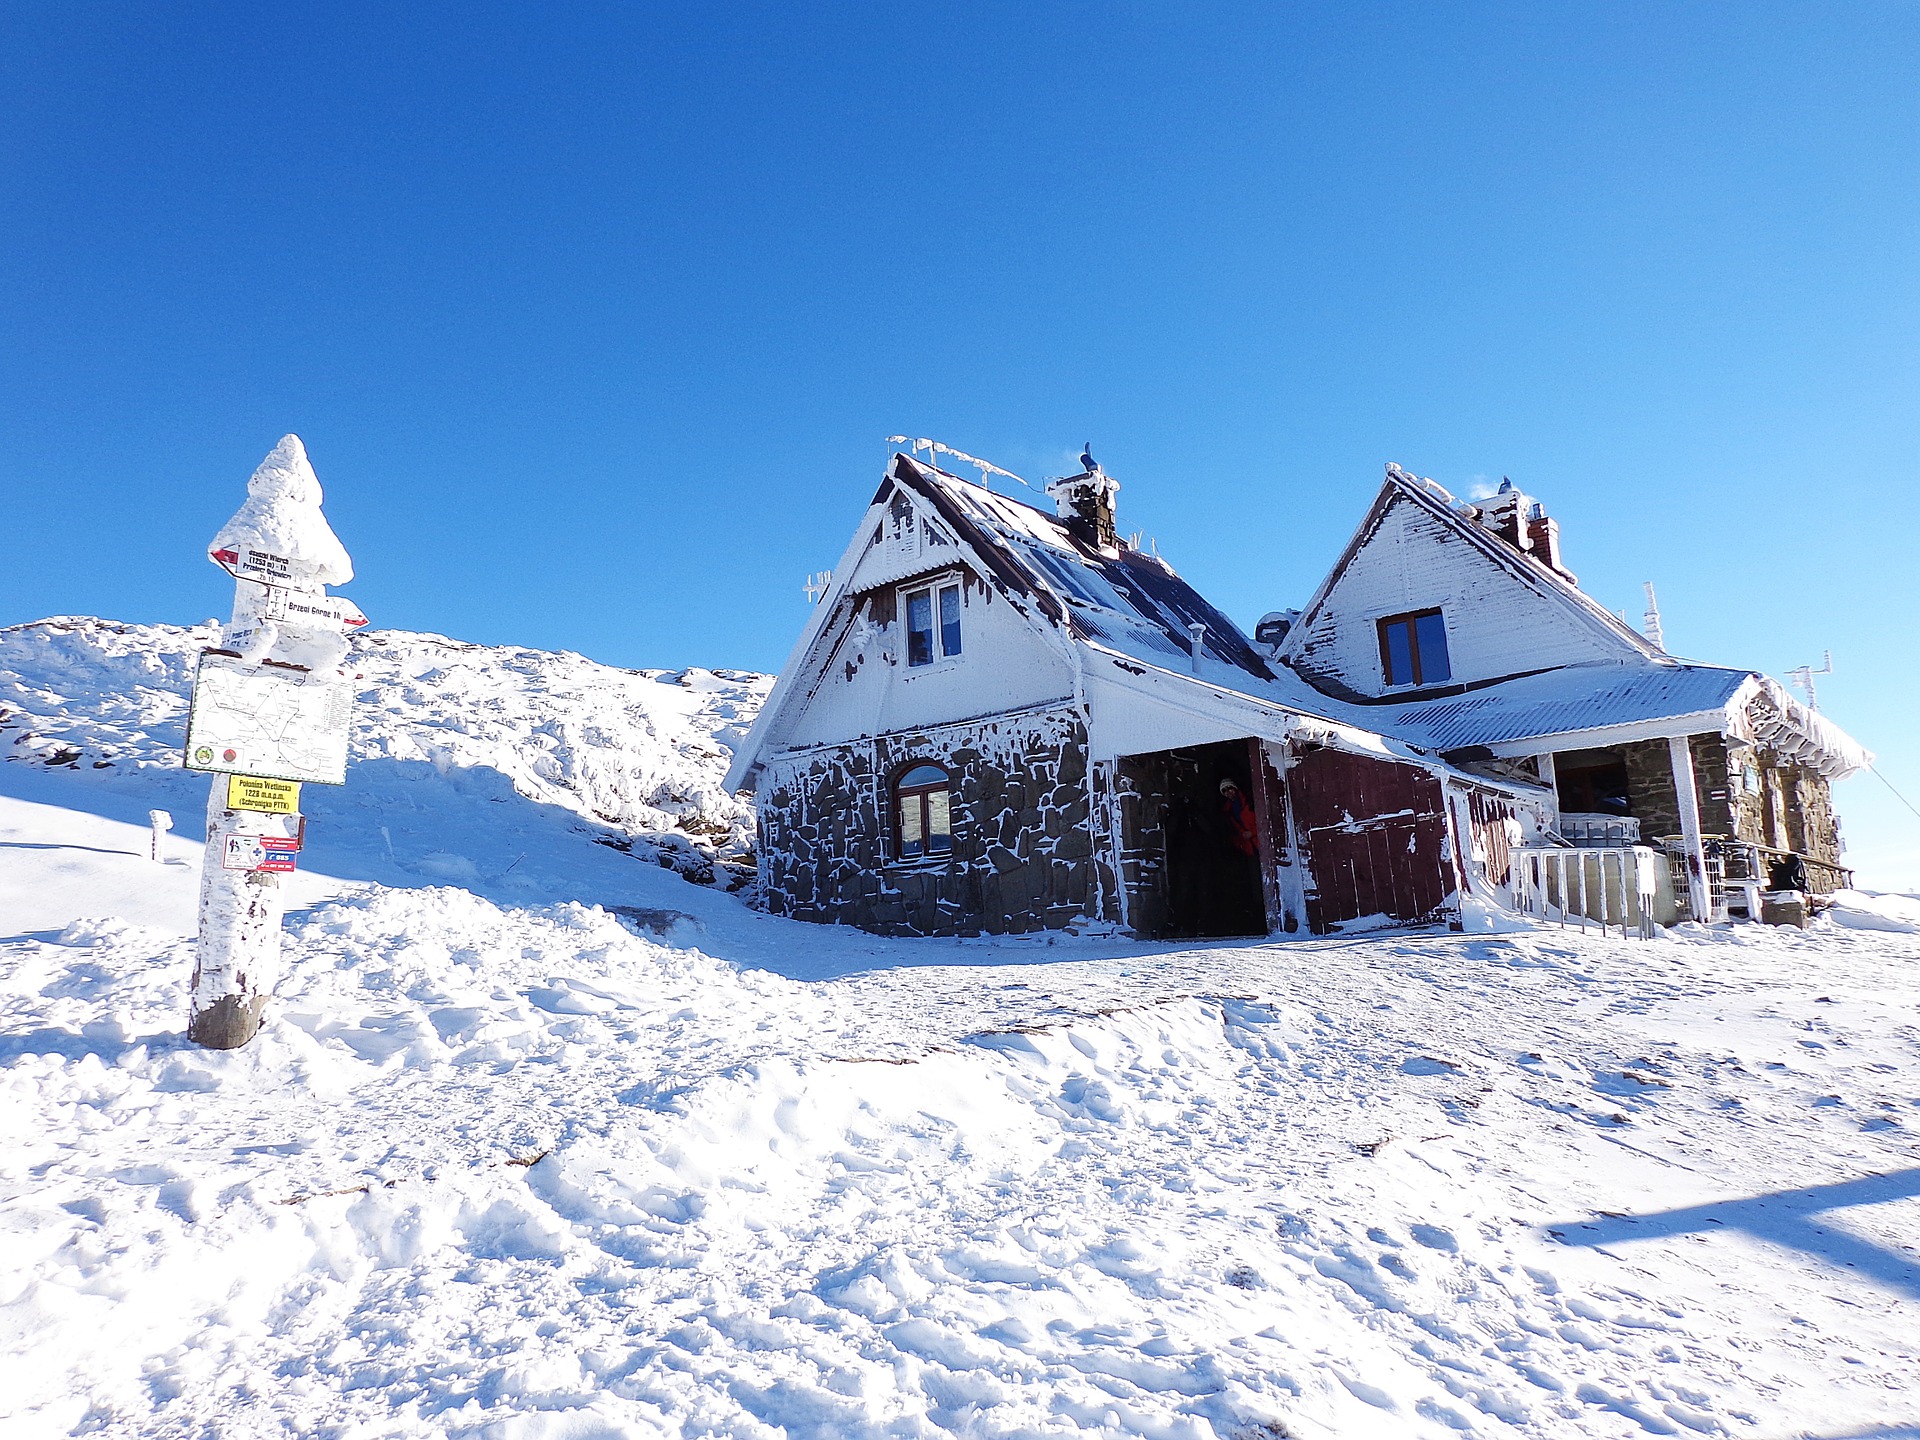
{"x": 1374, "y": 833}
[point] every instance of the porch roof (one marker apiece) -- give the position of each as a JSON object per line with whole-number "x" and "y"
{"x": 1571, "y": 699}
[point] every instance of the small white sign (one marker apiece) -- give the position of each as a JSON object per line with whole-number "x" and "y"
{"x": 314, "y": 611}
{"x": 244, "y": 852}
{"x": 271, "y": 853}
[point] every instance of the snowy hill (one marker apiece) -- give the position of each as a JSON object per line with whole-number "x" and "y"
{"x": 642, "y": 752}
{"x": 576, "y": 1148}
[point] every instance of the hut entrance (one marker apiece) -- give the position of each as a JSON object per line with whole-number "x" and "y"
{"x": 1191, "y": 842}
{"x": 1375, "y": 836}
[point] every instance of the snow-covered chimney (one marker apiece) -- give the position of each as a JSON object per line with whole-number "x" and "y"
{"x": 1523, "y": 523}
{"x": 1085, "y": 504}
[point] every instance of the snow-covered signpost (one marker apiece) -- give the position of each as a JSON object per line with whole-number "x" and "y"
{"x": 271, "y": 710}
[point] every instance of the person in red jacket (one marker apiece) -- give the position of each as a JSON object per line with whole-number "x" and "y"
{"x": 1238, "y": 815}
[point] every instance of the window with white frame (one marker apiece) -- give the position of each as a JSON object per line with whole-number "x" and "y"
{"x": 933, "y": 622}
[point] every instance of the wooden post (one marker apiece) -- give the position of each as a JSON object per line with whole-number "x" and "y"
{"x": 1699, "y": 902}
{"x": 1263, "y": 809}
{"x": 282, "y": 555}
{"x": 238, "y": 955}
{"x": 159, "y": 822}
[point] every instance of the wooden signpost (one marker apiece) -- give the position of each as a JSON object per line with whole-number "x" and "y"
{"x": 271, "y": 710}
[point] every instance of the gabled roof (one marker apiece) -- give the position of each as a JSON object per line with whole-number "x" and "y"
{"x": 1124, "y": 599}
{"x": 1118, "y": 600}
{"x": 1434, "y": 500}
{"x": 1134, "y": 609}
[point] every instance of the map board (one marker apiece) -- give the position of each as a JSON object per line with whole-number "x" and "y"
{"x": 268, "y": 720}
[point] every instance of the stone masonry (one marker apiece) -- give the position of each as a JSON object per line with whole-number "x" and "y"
{"x": 1023, "y": 854}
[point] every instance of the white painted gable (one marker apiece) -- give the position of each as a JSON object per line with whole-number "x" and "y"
{"x": 1504, "y": 615}
{"x": 864, "y": 685}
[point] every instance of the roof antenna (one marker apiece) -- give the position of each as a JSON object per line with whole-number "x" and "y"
{"x": 1802, "y": 676}
{"x": 1650, "y": 622}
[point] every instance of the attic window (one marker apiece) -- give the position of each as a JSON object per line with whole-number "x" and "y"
{"x": 933, "y": 623}
{"x": 923, "y": 813}
{"x": 1413, "y": 649}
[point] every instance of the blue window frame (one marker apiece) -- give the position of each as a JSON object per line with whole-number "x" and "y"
{"x": 1413, "y": 649}
{"x": 927, "y": 641}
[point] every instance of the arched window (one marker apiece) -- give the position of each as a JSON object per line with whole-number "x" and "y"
{"x": 921, "y": 813}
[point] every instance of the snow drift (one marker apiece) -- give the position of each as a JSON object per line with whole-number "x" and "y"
{"x": 506, "y": 1165}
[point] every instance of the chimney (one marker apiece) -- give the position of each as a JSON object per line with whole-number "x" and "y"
{"x": 1197, "y": 638}
{"x": 1544, "y": 532}
{"x": 1523, "y": 523}
{"x": 1085, "y": 503}
{"x": 1506, "y": 515}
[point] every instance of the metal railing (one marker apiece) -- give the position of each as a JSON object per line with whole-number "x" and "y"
{"x": 1607, "y": 886}
{"x": 1603, "y": 832}
{"x": 1740, "y": 871}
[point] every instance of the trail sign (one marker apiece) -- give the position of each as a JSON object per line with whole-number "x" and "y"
{"x": 256, "y": 792}
{"x": 271, "y": 721}
{"x": 271, "y": 709}
{"x": 271, "y": 853}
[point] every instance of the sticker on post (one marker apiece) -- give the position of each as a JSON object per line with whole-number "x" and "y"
{"x": 256, "y": 792}
{"x": 274, "y": 854}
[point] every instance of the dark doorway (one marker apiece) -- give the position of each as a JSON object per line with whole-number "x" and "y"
{"x": 1594, "y": 786}
{"x": 1191, "y": 837}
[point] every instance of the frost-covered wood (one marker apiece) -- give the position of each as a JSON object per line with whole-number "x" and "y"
{"x": 282, "y": 554}
{"x": 1505, "y": 614}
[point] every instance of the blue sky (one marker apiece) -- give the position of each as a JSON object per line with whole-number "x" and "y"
{"x": 594, "y": 321}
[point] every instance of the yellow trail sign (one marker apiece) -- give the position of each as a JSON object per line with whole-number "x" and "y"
{"x": 251, "y": 792}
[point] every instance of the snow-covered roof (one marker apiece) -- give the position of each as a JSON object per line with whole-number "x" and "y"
{"x": 1572, "y": 698}
{"x": 1125, "y": 599}
{"x": 1133, "y": 606}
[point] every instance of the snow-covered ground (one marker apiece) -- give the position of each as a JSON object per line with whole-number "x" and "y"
{"x": 544, "y": 1140}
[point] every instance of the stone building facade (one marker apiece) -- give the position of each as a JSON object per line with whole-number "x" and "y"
{"x": 1024, "y": 855}
{"x": 1079, "y": 736}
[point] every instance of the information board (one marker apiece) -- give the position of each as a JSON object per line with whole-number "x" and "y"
{"x": 269, "y": 721}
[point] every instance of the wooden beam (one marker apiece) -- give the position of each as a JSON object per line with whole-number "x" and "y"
{"x": 1266, "y": 800}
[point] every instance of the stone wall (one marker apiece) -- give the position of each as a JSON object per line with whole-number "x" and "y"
{"x": 1792, "y": 808}
{"x": 1024, "y": 851}
{"x": 1650, "y": 793}
{"x": 1789, "y": 808}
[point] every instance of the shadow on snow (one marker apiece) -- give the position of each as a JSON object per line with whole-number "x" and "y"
{"x": 1784, "y": 1217}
